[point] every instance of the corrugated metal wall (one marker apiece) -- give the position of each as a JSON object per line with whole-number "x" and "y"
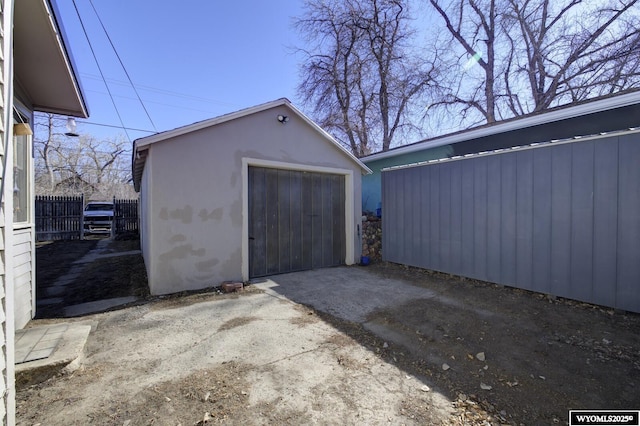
{"x": 560, "y": 218}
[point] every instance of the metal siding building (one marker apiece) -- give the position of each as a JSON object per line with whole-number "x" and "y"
{"x": 560, "y": 218}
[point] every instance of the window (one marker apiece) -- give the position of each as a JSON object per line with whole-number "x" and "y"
{"x": 21, "y": 179}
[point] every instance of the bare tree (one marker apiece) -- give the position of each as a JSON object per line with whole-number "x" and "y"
{"x": 535, "y": 54}
{"x": 359, "y": 75}
{"x": 473, "y": 25}
{"x": 73, "y": 165}
{"x": 573, "y": 50}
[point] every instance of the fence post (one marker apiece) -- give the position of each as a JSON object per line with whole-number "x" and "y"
{"x": 114, "y": 220}
{"x": 82, "y": 217}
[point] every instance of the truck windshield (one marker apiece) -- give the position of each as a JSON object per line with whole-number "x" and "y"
{"x": 96, "y": 207}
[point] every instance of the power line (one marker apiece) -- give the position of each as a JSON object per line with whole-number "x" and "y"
{"x": 82, "y": 168}
{"x": 122, "y": 65}
{"x": 164, "y": 91}
{"x": 116, "y": 127}
{"x": 155, "y": 102}
{"x": 95, "y": 58}
{"x": 72, "y": 148}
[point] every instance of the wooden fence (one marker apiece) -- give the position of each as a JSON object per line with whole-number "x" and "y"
{"x": 61, "y": 218}
{"x": 58, "y": 218}
{"x": 125, "y": 216}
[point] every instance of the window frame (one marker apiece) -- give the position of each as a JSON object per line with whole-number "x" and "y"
{"x": 21, "y": 114}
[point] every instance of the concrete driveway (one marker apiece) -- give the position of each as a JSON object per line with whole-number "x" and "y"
{"x": 382, "y": 345}
{"x": 349, "y": 293}
{"x": 252, "y": 358}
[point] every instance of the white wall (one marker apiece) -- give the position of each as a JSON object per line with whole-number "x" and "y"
{"x": 195, "y": 203}
{"x": 145, "y": 217}
{"x": 23, "y": 267}
{"x": 23, "y": 246}
{"x": 7, "y": 359}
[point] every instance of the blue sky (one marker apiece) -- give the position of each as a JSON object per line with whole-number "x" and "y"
{"x": 189, "y": 60}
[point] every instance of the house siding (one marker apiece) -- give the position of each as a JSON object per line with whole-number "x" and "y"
{"x": 561, "y": 218}
{"x": 7, "y": 369}
{"x": 23, "y": 267}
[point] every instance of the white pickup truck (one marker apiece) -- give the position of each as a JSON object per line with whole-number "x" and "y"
{"x": 98, "y": 217}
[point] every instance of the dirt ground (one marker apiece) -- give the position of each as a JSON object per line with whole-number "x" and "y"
{"x": 540, "y": 355}
{"x": 490, "y": 355}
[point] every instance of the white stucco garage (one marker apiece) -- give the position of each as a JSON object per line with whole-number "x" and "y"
{"x": 257, "y": 192}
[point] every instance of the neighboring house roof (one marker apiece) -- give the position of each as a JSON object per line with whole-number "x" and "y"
{"x": 521, "y": 123}
{"x": 43, "y": 66}
{"x": 141, "y": 145}
{"x": 577, "y": 139}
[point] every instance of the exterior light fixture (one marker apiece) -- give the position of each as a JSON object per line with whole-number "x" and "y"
{"x": 22, "y": 129}
{"x": 71, "y": 127}
{"x": 283, "y": 118}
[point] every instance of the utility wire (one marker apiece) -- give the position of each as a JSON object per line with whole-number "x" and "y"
{"x": 166, "y": 92}
{"x": 122, "y": 65}
{"x": 95, "y": 58}
{"x": 116, "y": 127}
{"x": 157, "y": 103}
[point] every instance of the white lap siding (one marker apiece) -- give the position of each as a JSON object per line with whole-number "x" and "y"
{"x": 7, "y": 381}
{"x": 23, "y": 267}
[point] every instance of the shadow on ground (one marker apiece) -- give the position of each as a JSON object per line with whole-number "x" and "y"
{"x": 103, "y": 278}
{"x": 500, "y": 354}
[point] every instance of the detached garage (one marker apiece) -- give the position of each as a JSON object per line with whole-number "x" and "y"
{"x": 253, "y": 193}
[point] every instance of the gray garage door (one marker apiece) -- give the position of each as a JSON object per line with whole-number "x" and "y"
{"x": 296, "y": 221}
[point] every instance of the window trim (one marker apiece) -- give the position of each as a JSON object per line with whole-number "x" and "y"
{"x": 21, "y": 112}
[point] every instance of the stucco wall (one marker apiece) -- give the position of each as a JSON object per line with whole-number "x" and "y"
{"x": 145, "y": 217}
{"x": 195, "y": 200}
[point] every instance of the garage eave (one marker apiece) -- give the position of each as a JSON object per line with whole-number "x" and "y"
{"x": 142, "y": 144}
{"x": 138, "y": 163}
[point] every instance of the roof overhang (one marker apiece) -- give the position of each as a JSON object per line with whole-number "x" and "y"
{"x": 141, "y": 146}
{"x": 43, "y": 66}
{"x": 517, "y": 123}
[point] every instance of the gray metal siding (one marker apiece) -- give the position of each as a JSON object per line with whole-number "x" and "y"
{"x": 562, "y": 219}
{"x": 628, "y": 241}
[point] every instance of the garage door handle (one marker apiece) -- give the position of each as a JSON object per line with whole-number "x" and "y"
{"x": 252, "y": 238}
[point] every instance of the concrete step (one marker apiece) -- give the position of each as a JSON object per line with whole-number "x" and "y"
{"x": 44, "y": 351}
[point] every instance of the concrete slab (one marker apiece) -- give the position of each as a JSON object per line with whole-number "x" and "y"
{"x": 347, "y": 292}
{"x": 97, "y": 306}
{"x": 49, "y": 349}
{"x": 37, "y": 343}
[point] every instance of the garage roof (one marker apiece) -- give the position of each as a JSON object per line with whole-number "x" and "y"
{"x": 619, "y": 101}
{"x": 141, "y": 145}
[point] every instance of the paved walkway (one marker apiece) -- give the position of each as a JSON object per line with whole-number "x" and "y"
{"x": 42, "y": 350}
{"x": 54, "y": 293}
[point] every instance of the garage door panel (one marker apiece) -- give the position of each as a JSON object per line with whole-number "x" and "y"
{"x": 271, "y": 213}
{"x": 306, "y": 197}
{"x": 338, "y": 214}
{"x": 284, "y": 220}
{"x": 316, "y": 221}
{"x": 295, "y": 222}
{"x": 327, "y": 220}
{"x": 299, "y": 219}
